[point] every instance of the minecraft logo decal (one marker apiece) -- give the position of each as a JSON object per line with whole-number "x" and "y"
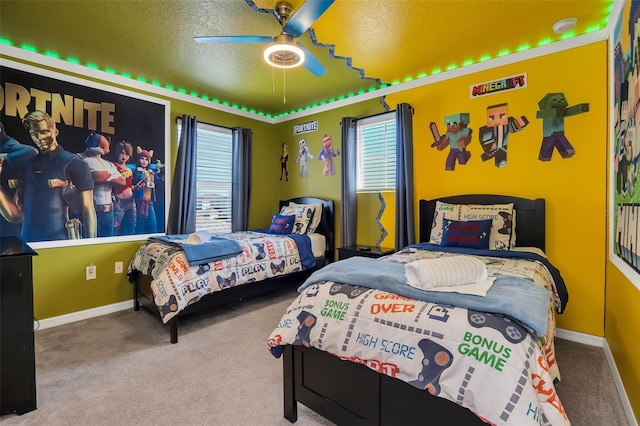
{"x": 514, "y": 82}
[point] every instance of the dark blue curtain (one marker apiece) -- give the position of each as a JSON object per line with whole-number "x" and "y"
{"x": 405, "y": 221}
{"x": 241, "y": 183}
{"x": 348, "y": 198}
{"x": 182, "y": 213}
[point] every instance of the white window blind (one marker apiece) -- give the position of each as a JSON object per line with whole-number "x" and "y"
{"x": 213, "y": 178}
{"x": 376, "y": 157}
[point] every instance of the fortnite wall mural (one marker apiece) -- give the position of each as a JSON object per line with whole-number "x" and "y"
{"x": 66, "y": 170}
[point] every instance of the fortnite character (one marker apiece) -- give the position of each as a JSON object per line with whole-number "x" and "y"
{"x": 326, "y": 155}
{"x": 143, "y": 194}
{"x": 457, "y": 138}
{"x": 284, "y": 159}
{"x": 13, "y": 155}
{"x": 125, "y": 206}
{"x": 303, "y": 157}
{"x": 42, "y": 209}
{"x": 553, "y": 110}
{"x": 495, "y": 135}
{"x": 105, "y": 177}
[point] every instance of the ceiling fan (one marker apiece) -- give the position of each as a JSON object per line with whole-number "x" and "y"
{"x": 283, "y": 51}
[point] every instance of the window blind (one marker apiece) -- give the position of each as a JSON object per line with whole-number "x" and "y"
{"x": 213, "y": 178}
{"x": 376, "y": 156}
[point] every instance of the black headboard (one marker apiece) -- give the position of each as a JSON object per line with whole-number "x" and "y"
{"x": 326, "y": 226}
{"x": 530, "y": 216}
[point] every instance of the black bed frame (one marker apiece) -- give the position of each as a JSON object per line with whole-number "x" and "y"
{"x": 141, "y": 284}
{"x": 352, "y": 394}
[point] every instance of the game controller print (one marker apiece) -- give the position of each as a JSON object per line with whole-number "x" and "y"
{"x": 170, "y": 305}
{"x": 261, "y": 253}
{"x": 511, "y": 331}
{"x": 307, "y": 322}
{"x": 277, "y": 267}
{"x": 436, "y": 359}
{"x": 229, "y": 281}
{"x": 351, "y": 291}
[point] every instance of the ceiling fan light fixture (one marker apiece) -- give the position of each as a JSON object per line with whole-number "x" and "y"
{"x": 284, "y": 55}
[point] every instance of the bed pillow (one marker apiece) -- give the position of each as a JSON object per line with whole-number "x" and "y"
{"x": 317, "y": 215}
{"x": 500, "y": 215}
{"x": 303, "y": 216}
{"x": 470, "y": 234}
{"x": 281, "y": 224}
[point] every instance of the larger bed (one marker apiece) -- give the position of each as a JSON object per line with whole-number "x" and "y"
{"x": 370, "y": 349}
{"x": 174, "y": 276}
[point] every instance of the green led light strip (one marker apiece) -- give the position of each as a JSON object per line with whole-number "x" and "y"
{"x": 437, "y": 70}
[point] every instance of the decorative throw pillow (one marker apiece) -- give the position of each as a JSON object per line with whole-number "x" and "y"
{"x": 317, "y": 215}
{"x": 500, "y": 237}
{"x": 470, "y": 234}
{"x": 281, "y": 224}
{"x": 302, "y": 215}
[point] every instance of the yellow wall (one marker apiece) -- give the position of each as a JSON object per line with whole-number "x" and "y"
{"x": 574, "y": 188}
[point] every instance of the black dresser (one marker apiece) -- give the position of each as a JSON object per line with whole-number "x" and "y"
{"x": 17, "y": 356}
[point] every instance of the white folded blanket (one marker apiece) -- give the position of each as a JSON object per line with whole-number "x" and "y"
{"x": 198, "y": 237}
{"x": 448, "y": 271}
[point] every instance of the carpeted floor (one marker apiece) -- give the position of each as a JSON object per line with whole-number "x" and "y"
{"x": 120, "y": 369}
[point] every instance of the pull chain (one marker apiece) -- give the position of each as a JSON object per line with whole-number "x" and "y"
{"x": 273, "y": 78}
{"x": 284, "y": 87}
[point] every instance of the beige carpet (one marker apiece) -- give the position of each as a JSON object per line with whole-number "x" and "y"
{"x": 120, "y": 369}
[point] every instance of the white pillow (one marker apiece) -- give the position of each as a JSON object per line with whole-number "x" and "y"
{"x": 500, "y": 237}
{"x": 303, "y": 218}
{"x": 317, "y": 215}
{"x": 445, "y": 271}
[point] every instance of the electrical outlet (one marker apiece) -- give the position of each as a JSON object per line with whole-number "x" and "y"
{"x": 91, "y": 272}
{"x": 118, "y": 268}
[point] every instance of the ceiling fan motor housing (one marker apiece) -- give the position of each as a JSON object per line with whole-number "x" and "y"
{"x": 283, "y": 9}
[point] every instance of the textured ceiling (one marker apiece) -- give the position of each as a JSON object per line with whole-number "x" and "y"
{"x": 362, "y": 43}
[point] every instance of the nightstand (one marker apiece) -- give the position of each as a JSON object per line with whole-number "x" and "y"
{"x": 356, "y": 250}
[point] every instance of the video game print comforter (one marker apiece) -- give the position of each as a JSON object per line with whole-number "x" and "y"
{"x": 176, "y": 284}
{"x": 485, "y": 362}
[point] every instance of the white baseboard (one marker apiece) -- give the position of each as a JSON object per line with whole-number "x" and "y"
{"x": 585, "y": 339}
{"x": 82, "y": 315}
{"x": 618, "y": 381}
{"x": 601, "y": 342}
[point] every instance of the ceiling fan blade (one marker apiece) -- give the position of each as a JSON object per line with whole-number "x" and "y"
{"x": 233, "y": 39}
{"x": 311, "y": 63}
{"x": 305, "y": 16}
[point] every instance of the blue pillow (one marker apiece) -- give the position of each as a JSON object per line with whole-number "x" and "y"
{"x": 470, "y": 234}
{"x": 281, "y": 224}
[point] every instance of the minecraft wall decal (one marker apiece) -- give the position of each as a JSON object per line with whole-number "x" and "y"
{"x": 457, "y": 138}
{"x": 553, "y": 110}
{"x": 494, "y": 137}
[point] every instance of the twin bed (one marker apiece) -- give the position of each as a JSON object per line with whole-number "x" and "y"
{"x": 365, "y": 342}
{"x": 174, "y": 276}
{"x": 368, "y": 348}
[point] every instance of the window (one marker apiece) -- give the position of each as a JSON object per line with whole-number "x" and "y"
{"x": 376, "y": 159}
{"x": 213, "y": 178}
